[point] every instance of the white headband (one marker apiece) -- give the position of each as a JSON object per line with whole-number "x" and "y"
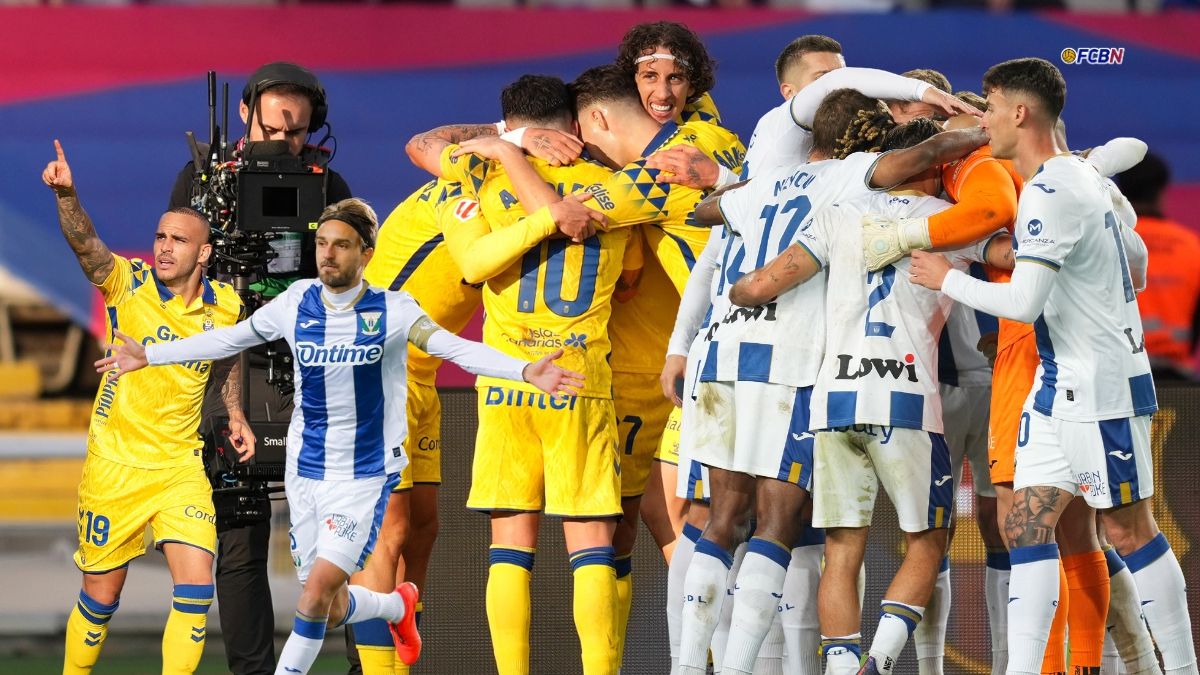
{"x": 660, "y": 55}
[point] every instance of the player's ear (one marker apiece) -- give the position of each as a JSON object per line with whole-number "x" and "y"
{"x": 205, "y": 254}
{"x": 1020, "y": 113}
{"x": 599, "y": 118}
{"x": 575, "y": 128}
{"x": 787, "y": 90}
{"x": 367, "y": 254}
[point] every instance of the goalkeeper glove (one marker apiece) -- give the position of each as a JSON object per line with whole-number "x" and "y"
{"x": 887, "y": 239}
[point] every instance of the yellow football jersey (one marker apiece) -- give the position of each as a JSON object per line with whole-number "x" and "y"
{"x": 641, "y": 326}
{"x": 148, "y": 418}
{"x": 543, "y": 292}
{"x": 703, "y": 109}
{"x": 411, "y": 255}
{"x": 631, "y": 196}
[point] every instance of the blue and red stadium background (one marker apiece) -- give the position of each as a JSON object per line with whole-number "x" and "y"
{"x": 120, "y": 86}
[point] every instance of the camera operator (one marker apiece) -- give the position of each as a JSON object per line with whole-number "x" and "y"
{"x": 289, "y": 105}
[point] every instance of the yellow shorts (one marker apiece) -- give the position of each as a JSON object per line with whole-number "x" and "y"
{"x": 116, "y": 502}
{"x": 668, "y": 445}
{"x": 535, "y": 453}
{"x": 642, "y": 413}
{"x": 424, "y": 442}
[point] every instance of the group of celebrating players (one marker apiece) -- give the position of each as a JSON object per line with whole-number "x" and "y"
{"x": 738, "y": 364}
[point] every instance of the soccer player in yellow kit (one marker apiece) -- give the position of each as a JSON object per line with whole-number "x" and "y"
{"x": 143, "y": 465}
{"x": 617, "y": 129}
{"x": 537, "y": 453}
{"x": 411, "y": 255}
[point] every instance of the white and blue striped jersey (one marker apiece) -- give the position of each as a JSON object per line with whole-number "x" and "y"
{"x": 781, "y": 341}
{"x": 880, "y": 362}
{"x": 1089, "y": 336}
{"x": 349, "y": 351}
{"x": 349, "y": 418}
{"x": 960, "y": 363}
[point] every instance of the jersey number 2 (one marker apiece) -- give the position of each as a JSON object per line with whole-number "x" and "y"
{"x": 556, "y": 253}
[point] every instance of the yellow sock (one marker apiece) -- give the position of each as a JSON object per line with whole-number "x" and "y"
{"x": 402, "y": 668}
{"x": 624, "y": 571}
{"x": 187, "y": 626}
{"x": 508, "y": 607}
{"x": 596, "y": 608}
{"x": 376, "y": 651}
{"x": 87, "y": 627}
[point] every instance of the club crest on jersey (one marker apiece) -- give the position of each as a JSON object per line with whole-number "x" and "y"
{"x": 368, "y": 322}
{"x": 208, "y": 323}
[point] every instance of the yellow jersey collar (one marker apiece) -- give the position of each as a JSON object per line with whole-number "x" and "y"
{"x": 207, "y": 294}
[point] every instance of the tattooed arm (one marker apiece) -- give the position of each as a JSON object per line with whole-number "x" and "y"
{"x": 425, "y": 149}
{"x": 94, "y": 257}
{"x": 228, "y": 372}
{"x": 789, "y": 269}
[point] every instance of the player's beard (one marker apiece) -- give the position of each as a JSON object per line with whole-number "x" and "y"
{"x": 337, "y": 277}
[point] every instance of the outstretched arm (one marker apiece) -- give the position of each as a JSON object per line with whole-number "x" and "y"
{"x": 425, "y": 149}
{"x": 1022, "y": 299}
{"x": 93, "y": 255}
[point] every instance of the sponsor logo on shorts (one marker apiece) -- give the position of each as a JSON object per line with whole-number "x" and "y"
{"x": 1123, "y": 456}
{"x": 941, "y": 481}
{"x": 883, "y": 368}
{"x": 1092, "y": 483}
{"x": 799, "y": 438}
{"x": 342, "y": 526}
{"x": 199, "y": 514}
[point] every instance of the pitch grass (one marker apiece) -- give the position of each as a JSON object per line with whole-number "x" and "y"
{"x": 118, "y": 664}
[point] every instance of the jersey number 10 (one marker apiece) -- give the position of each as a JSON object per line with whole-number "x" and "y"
{"x": 552, "y": 285}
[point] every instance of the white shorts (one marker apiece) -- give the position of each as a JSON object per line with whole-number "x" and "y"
{"x": 691, "y": 479}
{"x": 337, "y": 520}
{"x": 965, "y": 419}
{"x": 1107, "y": 462}
{"x": 756, "y": 428}
{"x": 912, "y": 464}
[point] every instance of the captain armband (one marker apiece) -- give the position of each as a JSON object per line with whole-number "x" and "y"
{"x": 421, "y": 331}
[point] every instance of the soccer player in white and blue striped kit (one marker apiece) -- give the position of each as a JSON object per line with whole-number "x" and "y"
{"x": 1085, "y": 429}
{"x": 345, "y": 446}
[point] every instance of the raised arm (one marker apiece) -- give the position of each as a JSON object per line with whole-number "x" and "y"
{"x": 425, "y": 149}
{"x": 93, "y": 255}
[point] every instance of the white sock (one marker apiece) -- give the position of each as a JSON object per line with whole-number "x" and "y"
{"x": 801, "y": 627}
{"x": 704, "y": 594}
{"x": 770, "y": 654}
{"x": 681, "y": 557}
{"x": 1110, "y": 660}
{"x": 1127, "y": 632}
{"x": 896, "y": 624}
{"x": 721, "y": 633}
{"x": 366, "y": 604}
{"x": 759, "y": 590}
{"x": 930, "y": 633}
{"x": 1163, "y": 594}
{"x": 842, "y": 654}
{"x": 996, "y": 589}
{"x": 1033, "y": 597}
{"x": 302, "y": 646}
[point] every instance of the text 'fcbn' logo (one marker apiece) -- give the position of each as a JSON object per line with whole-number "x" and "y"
{"x": 1110, "y": 56}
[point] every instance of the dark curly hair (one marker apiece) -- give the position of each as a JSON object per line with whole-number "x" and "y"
{"x": 685, "y": 45}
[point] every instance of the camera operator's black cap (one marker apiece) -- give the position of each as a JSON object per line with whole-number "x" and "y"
{"x": 282, "y": 72}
